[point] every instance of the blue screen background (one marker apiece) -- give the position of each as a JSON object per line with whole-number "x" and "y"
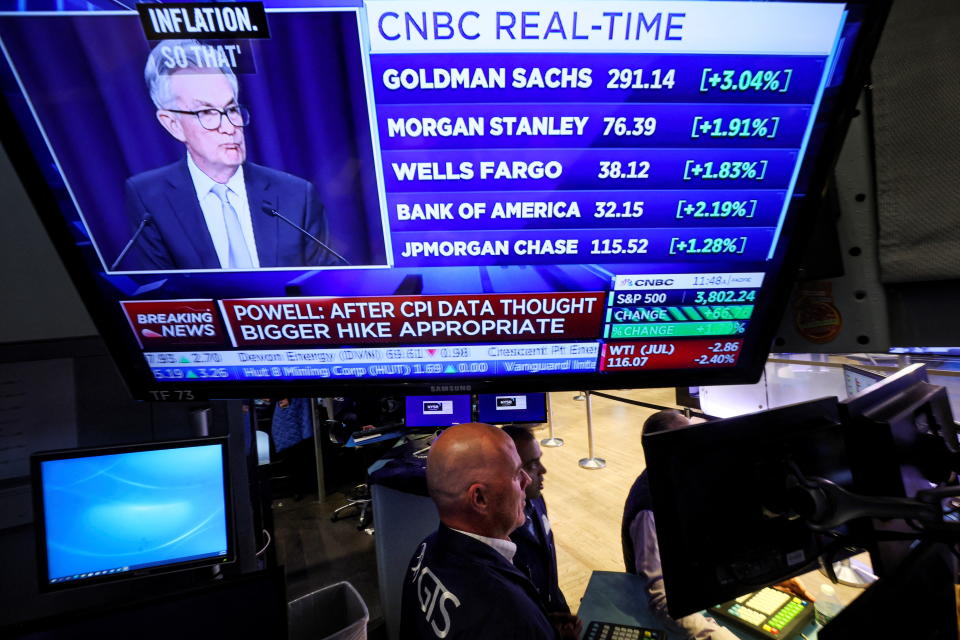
{"x": 133, "y": 509}
{"x": 415, "y": 417}
{"x": 536, "y": 410}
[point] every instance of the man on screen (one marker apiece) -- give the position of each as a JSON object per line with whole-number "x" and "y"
{"x": 213, "y": 209}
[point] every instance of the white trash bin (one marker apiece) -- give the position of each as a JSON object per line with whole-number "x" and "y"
{"x": 336, "y": 612}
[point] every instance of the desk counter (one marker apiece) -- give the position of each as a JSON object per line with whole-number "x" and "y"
{"x": 617, "y": 597}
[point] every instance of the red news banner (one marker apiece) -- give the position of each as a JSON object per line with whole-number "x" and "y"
{"x": 413, "y": 319}
{"x": 328, "y": 321}
{"x": 670, "y": 354}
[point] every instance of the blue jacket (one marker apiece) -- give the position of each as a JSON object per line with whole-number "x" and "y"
{"x": 458, "y": 588}
{"x": 177, "y": 238}
{"x": 537, "y": 555}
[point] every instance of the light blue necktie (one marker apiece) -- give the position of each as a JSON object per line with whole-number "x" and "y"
{"x": 238, "y": 255}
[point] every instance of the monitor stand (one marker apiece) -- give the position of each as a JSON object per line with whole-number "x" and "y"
{"x": 851, "y": 572}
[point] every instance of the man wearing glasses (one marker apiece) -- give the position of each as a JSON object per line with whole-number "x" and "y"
{"x": 213, "y": 209}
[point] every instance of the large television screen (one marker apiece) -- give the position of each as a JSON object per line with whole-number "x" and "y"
{"x": 428, "y": 196}
{"x": 120, "y": 512}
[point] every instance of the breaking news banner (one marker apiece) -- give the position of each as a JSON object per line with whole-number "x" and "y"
{"x": 176, "y": 323}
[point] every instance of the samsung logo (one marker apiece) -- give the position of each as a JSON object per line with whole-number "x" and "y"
{"x": 443, "y": 388}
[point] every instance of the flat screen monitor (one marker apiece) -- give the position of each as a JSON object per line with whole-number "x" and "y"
{"x": 438, "y": 411}
{"x": 119, "y": 512}
{"x": 936, "y": 351}
{"x": 721, "y": 498}
{"x": 900, "y": 433}
{"x": 507, "y": 408}
{"x": 856, "y": 379}
{"x": 470, "y": 198}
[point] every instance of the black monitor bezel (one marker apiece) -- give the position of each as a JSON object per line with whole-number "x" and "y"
{"x": 36, "y": 477}
{"x": 860, "y": 371}
{"x": 546, "y": 410}
{"x": 137, "y": 374}
{"x": 691, "y": 581}
{"x": 889, "y": 457}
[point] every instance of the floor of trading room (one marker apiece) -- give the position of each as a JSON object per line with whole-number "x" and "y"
{"x": 585, "y": 506}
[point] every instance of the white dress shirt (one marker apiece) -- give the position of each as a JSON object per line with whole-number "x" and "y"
{"x": 213, "y": 211}
{"x": 506, "y": 548}
{"x": 646, "y": 550}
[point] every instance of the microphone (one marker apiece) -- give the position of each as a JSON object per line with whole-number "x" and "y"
{"x": 270, "y": 210}
{"x": 144, "y": 221}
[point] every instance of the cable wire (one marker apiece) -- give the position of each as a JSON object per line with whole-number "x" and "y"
{"x": 267, "y": 544}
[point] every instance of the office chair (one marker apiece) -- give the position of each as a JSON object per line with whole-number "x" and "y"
{"x": 358, "y": 498}
{"x": 349, "y": 416}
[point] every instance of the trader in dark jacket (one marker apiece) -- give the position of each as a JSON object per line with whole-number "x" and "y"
{"x": 461, "y": 582}
{"x": 536, "y": 551}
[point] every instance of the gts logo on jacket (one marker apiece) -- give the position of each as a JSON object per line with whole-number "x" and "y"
{"x": 435, "y": 599}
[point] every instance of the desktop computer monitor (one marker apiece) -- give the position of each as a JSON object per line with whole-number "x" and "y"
{"x": 438, "y": 411}
{"x": 108, "y": 513}
{"x": 726, "y": 494}
{"x": 901, "y": 438}
{"x": 511, "y": 408}
{"x": 720, "y": 494}
{"x": 856, "y": 379}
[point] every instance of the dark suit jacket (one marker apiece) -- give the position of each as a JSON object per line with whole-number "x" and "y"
{"x": 177, "y": 237}
{"x": 638, "y": 500}
{"x": 537, "y": 556}
{"x": 458, "y": 588}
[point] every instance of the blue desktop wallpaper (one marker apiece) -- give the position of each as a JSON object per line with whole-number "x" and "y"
{"x": 132, "y": 510}
{"x": 455, "y": 410}
{"x": 500, "y": 408}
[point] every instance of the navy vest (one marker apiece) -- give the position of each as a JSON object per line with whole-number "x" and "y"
{"x": 458, "y": 588}
{"x": 537, "y": 556}
{"x": 637, "y": 500}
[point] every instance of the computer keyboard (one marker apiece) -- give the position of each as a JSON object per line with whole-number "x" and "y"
{"x": 612, "y": 631}
{"x": 370, "y": 434}
{"x": 770, "y": 612}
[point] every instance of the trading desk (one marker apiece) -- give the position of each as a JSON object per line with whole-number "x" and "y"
{"x": 617, "y": 597}
{"x": 403, "y": 515}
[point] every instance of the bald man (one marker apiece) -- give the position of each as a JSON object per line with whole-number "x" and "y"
{"x": 462, "y": 583}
